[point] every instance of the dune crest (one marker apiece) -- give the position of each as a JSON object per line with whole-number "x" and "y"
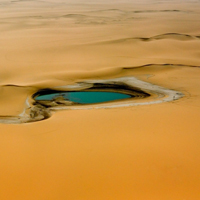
{"x": 171, "y": 36}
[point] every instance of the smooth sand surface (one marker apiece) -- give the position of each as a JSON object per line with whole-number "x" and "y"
{"x": 144, "y": 152}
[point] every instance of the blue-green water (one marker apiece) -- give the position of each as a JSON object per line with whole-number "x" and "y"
{"x": 86, "y": 97}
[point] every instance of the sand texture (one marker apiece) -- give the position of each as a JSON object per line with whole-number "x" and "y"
{"x": 144, "y": 148}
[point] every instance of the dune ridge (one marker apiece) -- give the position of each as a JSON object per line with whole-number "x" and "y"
{"x": 57, "y": 78}
{"x": 171, "y": 36}
{"x": 128, "y": 12}
{"x": 166, "y": 64}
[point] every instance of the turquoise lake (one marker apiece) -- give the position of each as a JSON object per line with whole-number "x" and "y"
{"x": 86, "y": 97}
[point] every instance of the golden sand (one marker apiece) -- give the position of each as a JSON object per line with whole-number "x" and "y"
{"x": 144, "y": 152}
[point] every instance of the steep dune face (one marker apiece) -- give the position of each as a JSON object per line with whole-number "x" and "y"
{"x": 134, "y": 149}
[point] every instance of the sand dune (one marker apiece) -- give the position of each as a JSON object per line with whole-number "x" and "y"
{"x": 172, "y": 36}
{"x": 166, "y": 64}
{"x": 145, "y": 147}
{"x": 115, "y": 12}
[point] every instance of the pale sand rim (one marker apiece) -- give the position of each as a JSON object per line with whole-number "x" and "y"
{"x": 37, "y": 111}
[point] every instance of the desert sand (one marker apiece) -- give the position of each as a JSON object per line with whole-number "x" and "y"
{"x": 142, "y": 151}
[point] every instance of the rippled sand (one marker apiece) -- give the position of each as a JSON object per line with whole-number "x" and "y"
{"x": 142, "y": 152}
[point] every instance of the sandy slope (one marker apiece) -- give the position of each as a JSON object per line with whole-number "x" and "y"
{"x": 146, "y": 152}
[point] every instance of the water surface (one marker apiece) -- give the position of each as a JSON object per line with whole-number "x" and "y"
{"x": 85, "y": 97}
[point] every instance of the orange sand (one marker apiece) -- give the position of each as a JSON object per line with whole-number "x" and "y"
{"x": 141, "y": 152}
